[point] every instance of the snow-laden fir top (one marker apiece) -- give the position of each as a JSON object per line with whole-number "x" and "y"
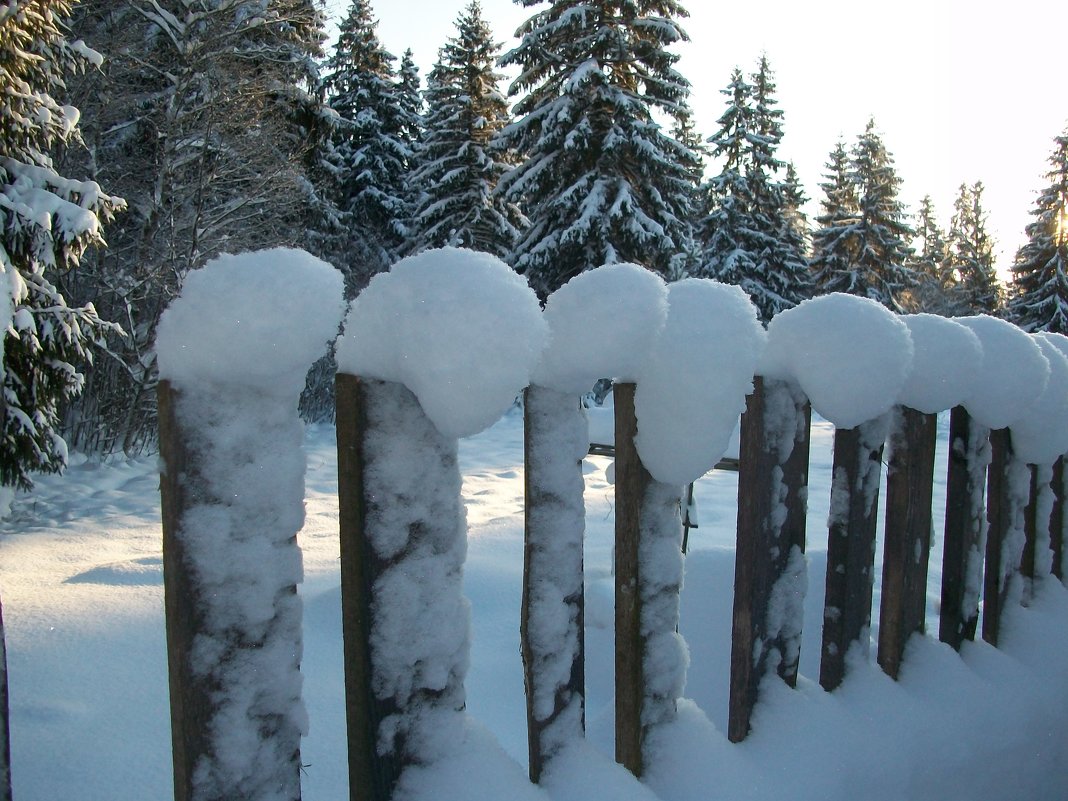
{"x": 849, "y": 354}
{"x": 1041, "y": 435}
{"x": 601, "y": 325}
{"x": 692, "y": 385}
{"x": 257, "y": 319}
{"x": 1014, "y": 372}
{"x": 946, "y": 357}
{"x": 459, "y": 328}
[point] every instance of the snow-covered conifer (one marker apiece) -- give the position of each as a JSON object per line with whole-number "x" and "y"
{"x": 371, "y": 151}
{"x": 603, "y": 182}
{"x": 832, "y": 252}
{"x": 461, "y": 161}
{"x": 1040, "y": 271}
{"x": 48, "y": 222}
{"x": 971, "y": 251}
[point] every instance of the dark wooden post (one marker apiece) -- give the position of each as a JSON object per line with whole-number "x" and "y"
{"x": 857, "y": 472}
{"x": 772, "y": 486}
{"x": 1001, "y": 514}
{"x": 1056, "y": 520}
{"x": 962, "y": 557}
{"x": 909, "y": 490}
{"x": 371, "y": 774}
{"x": 181, "y": 487}
{"x": 552, "y": 565}
{"x": 1031, "y": 523}
{"x": 5, "y": 719}
{"x": 631, "y": 482}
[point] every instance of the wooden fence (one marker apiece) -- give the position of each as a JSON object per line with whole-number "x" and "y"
{"x": 771, "y": 539}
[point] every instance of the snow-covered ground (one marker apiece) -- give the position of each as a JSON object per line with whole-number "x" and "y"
{"x": 80, "y": 568}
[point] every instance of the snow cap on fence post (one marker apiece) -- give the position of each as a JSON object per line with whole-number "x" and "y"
{"x": 945, "y": 362}
{"x": 1041, "y": 435}
{"x": 601, "y": 325}
{"x": 693, "y": 383}
{"x": 458, "y": 327}
{"x": 1013, "y": 374}
{"x": 258, "y": 319}
{"x": 849, "y": 354}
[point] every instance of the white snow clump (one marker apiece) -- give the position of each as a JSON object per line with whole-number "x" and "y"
{"x": 1014, "y": 372}
{"x": 693, "y": 384}
{"x": 945, "y": 361}
{"x": 257, "y": 319}
{"x": 459, "y": 328}
{"x": 1041, "y": 435}
{"x": 849, "y": 354}
{"x": 601, "y": 325}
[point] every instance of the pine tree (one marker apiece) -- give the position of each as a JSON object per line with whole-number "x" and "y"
{"x": 750, "y": 235}
{"x": 1039, "y": 299}
{"x": 462, "y": 161}
{"x": 796, "y": 219}
{"x": 870, "y": 253}
{"x": 205, "y": 117}
{"x": 603, "y": 182}
{"x": 971, "y": 251}
{"x": 937, "y": 288}
{"x": 688, "y": 260}
{"x": 48, "y": 221}
{"x": 371, "y": 153}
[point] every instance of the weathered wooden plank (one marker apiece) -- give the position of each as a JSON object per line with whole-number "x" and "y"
{"x": 969, "y": 454}
{"x": 857, "y": 470}
{"x": 772, "y": 485}
{"x": 1057, "y": 519}
{"x": 631, "y": 482}
{"x": 907, "y": 544}
{"x": 1031, "y": 524}
{"x": 5, "y": 717}
{"x": 552, "y": 562}
{"x": 371, "y": 774}
{"x": 1000, "y": 520}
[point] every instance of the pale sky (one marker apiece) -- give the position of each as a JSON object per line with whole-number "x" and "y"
{"x": 960, "y": 91}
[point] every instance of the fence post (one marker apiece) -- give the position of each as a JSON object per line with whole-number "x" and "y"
{"x": 1008, "y": 490}
{"x": 772, "y": 485}
{"x": 1057, "y": 519}
{"x": 857, "y": 470}
{"x": 5, "y": 717}
{"x": 555, "y": 440}
{"x": 631, "y": 482}
{"x": 963, "y": 546}
{"x": 371, "y": 774}
{"x": 909, "y": 491}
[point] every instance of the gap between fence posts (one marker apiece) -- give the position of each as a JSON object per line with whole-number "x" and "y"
{"x": 772, "y": 485}
{"x": 962, "y": 545}
{"x": 555, "y": 439}
{"x": 371, "y": 774}
{"x": 907, "y": 544}
{"x": 856, "y": 474}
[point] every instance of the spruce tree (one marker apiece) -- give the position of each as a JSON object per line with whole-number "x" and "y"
{"x": 370, "y": 153}
{"x": 937, "y": 288}
{"x": 602, "y": 181}
{"x": 461, "y": 158}
{"x": 751, "y": 239}
{"x": 48, "y": 221}
{"x": 1039, "y": 299}
{"x": 870, "y": 254}
{"x": 971, "y": 251}
{"x": 833, "y": 252}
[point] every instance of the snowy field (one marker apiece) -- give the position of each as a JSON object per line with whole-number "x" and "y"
{"x": 83, "y": 604}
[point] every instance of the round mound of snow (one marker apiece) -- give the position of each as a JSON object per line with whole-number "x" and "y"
{"x": 1041, "y": 435}
{"x": 601, "y": 325}
{"x": 946, "y": 357}
{"x": 849, "y": 354}
{"x": 692, "y": 387}
{"x": 459, "y": 328}
{"x": 257, "y": 319}
{"x": 1013, "y": 375}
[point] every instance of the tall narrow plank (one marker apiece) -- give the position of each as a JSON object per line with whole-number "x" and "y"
{"x": 857, "y": 471}
{"x": 631, "y": 482}
{"x": 907, "y": 545}
{"x": 1057, "y": 519}
{"x": 772, "y": 482}
{"x": 962, "y": 558}
{"x": 371, "y": 775}
{"x": 999, "y": 517}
